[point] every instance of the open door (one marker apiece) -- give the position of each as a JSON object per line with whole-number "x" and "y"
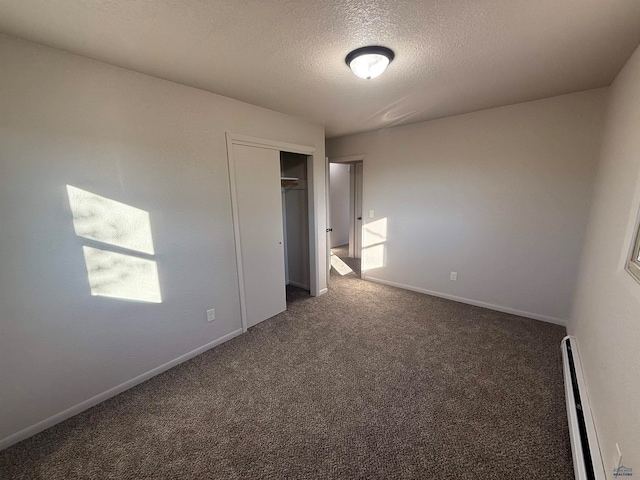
{"x": 328, "y": 209}
{"x": 357, "y": 211}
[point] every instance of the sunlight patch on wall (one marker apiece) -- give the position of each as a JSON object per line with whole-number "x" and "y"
{"x": 122, "y": 276}
{"x": 373, "y": 257}
{"x": 374, "y": 235}
{"x": 104, "y": 220}
{"x": 113, "y": 274}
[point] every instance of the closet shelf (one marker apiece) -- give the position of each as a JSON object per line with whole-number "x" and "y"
{"x": 289, "y": 181}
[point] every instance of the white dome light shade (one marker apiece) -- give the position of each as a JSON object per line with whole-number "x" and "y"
{"x": 369, "y": 62}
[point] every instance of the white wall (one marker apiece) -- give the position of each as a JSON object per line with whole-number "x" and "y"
{"x": 339, "y": 203}
{"x": 606, "y": 312}
{"x": 151, "y": 144}
{"x": 500, "y": 196}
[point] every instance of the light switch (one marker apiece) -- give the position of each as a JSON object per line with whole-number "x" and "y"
{"x": 371, "y": 214}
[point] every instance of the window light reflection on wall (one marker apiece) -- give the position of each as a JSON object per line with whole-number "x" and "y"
{"x": 104, "y": 220}
{"x": 115, "y": 274}
{"x": 122, "y": 276}
{"x": 373, "y": 244}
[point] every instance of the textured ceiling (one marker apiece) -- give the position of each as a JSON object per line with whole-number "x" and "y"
{"x": 452, "y": 56}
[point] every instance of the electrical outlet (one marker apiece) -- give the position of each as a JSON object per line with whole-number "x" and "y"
{"x": 454, "y": 276}
{"x": 371, "y": 214}
{"x": 211, "y": 315}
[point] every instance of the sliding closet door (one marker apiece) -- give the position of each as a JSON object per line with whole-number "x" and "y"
{"x": 259, "y": 204}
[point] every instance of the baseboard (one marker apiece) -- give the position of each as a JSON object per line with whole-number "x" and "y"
{"x": 323, "y": 291}
{"x": 585, "y": 449}
{"x": 112, "y": 392}
{"x": 468, "y": 301}
{"x": 299, "y": 285}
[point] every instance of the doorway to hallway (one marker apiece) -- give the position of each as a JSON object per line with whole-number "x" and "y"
{"x": 345, "y": 208}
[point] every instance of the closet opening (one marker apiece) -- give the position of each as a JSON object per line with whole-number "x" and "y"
{"x": 294, "y": 186}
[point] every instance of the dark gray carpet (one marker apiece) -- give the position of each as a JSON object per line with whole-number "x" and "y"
{"x": 367, "y": 381}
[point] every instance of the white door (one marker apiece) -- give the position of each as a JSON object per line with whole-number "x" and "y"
{"x": 358, "y": 211}
{"x": 328, "y": 208}
{"x": 259, "y": 204}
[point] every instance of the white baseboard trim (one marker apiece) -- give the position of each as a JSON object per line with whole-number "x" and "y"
{"x": 323, "y": 291}
{"x": 299, "y": 285}
{"x": 112, "y": 392}
{"x": 468, "y": 301}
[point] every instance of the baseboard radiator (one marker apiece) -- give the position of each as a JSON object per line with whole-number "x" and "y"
{"x": 587, "y": 462}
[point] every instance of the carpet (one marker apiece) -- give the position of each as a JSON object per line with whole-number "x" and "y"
{"x": 367, "y": 381}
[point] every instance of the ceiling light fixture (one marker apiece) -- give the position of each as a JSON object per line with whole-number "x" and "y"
{"x": 369, "y": 62}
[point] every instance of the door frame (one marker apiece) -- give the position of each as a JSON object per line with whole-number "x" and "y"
{"x": 352, "y": 160}
{"x": 309, "y": 151}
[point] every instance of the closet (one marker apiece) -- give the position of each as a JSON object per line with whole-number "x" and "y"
{"x": 269, "y": 196}
{"x": 295, "y": 214}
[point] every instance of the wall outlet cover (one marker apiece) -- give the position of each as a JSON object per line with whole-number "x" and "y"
{"x": 211, "y": 315}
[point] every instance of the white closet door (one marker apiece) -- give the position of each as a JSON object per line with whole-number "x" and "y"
{"x": 259, "y": 203}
